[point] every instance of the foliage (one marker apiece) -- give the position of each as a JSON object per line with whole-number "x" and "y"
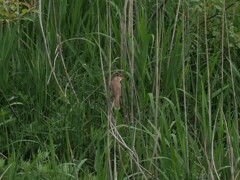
{"x": 179, "y": 115}
{"x": 13, "y": 10}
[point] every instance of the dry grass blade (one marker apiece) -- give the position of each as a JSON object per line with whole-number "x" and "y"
{"x": 46, "y": 47}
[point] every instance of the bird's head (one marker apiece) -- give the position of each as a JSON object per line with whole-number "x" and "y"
{"x": 117, "y": 77}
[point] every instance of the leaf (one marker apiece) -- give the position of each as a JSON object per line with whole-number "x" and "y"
{"x": 24, "y": 11}
{"x": 80, "y": 165}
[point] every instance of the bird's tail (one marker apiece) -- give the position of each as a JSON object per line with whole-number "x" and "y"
{"x": 116, "y": 103}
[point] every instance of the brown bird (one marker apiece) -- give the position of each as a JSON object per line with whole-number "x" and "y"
{"x": 115, "y": 86}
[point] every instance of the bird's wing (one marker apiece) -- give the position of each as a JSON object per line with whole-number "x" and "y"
{"x": 116, "y": 91}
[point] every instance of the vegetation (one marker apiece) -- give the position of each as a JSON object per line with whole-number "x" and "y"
{"x": 179, "y": 116}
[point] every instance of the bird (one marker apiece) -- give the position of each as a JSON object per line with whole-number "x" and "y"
{"x": 115, "y": 87}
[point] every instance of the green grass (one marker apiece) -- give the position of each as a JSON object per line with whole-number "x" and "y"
{"x": 179, "y": 116}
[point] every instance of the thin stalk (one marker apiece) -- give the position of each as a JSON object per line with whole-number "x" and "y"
{"x": 212, "y": 148}
{"x": 197, "y": 81}
{"x": 231, "y": 154}
{"x": 47, "y": 49}
{"x": 184, "y": 94}
{"x": 130, "y": 29}
{"x": 59, "y": 52}
{"x": 173, "y": 33}
{"x": 156, "y": 90}
{"x": 209, "y": 85}
{"x": 131, "y": 63}
{"x": 123, "y": 33}
{"x": 133, "y": 155}
{"x": 106, "y": 90}
{"x": 236, "y": 114}
{"x": 115, "y": 174}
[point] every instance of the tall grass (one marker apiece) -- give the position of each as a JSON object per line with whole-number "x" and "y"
{"x": 179, "y": 116}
